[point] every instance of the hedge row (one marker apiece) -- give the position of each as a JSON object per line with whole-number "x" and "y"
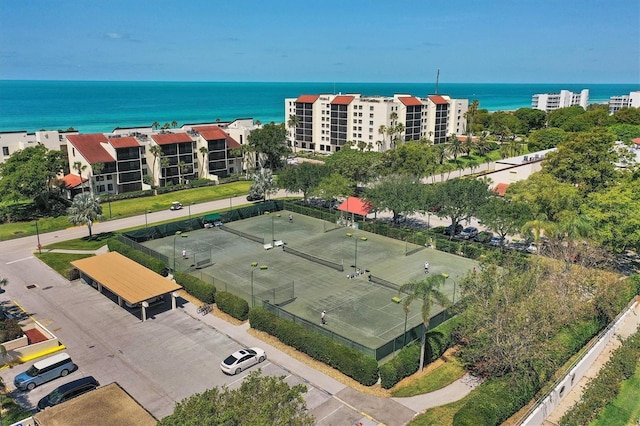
{"x": 144, "y": 259}
{"x": 204, "y": 291}
{"x": 495, "y": 401}
{"x": 350, "y": 362}
{"x": 407, "y": 361}
{"x": 604, "y": 388}
{"x": 498, "y": 399}
{"x": 233, "y": 305}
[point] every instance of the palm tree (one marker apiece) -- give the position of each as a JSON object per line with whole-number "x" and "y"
{"x": 204, "y": 151}
{"x": 440, "y": 152}
{"x": 174, "y": 124}
{"x": 155, "y": 125}
{"x": 84, "y": 210}
{"x": 181, "y": 168}
{"x": 79, "y": 167}
{"x": 427, "y": 291}
{"x": 166, "y": 126}
{"x": 455, "y": 147}
{"x": 97, "y": 169}
{"x": 382, "y": 130}
{"x": 156, "y": 151}
{"x": 164, "y": 163}
{"x": 4, "y": 282}
{"x": 294, "y": 122}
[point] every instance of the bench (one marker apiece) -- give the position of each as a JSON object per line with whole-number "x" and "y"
{"x": 268, "y": 246}
{"x": 278, "y": 243}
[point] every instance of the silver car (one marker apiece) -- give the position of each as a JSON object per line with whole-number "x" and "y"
{"x": 242, "y": 359}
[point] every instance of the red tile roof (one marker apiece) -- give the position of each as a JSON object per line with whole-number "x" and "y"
{"x": 410, "y": 101}
{"x": 90, "y": 147}
{"x": 307, "y": 99}
{"x": 212, "y": 133}
{"x": 342, "y": 100}
{"x": 125, "y": 142}
{"x": 169, "y": 138}
{"x": 72, "y": 181}
{"x": 501, "y": 189}
{"x": 356, "y": 206}
{"x": 636, "y": 141}
{"x": 438, "y": 100}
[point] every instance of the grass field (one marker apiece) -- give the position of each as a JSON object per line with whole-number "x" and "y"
{"x": 356, "y": 308}
{"x": 625, "y": 409}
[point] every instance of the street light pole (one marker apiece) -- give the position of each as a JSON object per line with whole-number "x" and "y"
{"x": 355, "y": 257}
{"x": 146, "y": 222}
{"x": 38, "y": 237}
{"x": 178, "y": 233}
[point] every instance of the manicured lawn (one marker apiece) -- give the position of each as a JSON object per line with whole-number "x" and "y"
{"x": 442, "y": 376}
{"x": 625, "y": 409}
{"x": 61, "y": 262}
{"x": 439, "y": 416}
{"x": 97, "y": 241}
{"x": 132, "y": 207}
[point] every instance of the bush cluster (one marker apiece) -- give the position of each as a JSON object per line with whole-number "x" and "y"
{"x": 495, "y": 401}
{"x": 233, "y": 305}
{"x": 9, "y": 330}
{"x": 604, "y": 388}
{"x": 201, "y": 290}
{"x": 407, "y": 361}
{"x": 156, "y": 265}
{"x": 350, "y": 362}
{"x": 17, "y": 212}
{"x": 72, "y": 274}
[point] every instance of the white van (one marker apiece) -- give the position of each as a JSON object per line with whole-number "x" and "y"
{"x": 43, "y": 371}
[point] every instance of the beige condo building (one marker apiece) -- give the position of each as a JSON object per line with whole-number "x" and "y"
{"x": 326, "y": 123}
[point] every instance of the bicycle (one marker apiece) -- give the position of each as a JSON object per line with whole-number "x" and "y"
{"x": 205, "y": 308}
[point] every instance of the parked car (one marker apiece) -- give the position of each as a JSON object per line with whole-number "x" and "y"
{"x": 176, "y": 205}
{"x": 255, "y": 197}
{"x": 483, "y": 237}
{"x": 44, "y": 371}
{"x": 469, "y": 232}
{"x": 242, "y": 359}
{"x": 498, "y": 241}
{"x": 68, "y": 391}
{"x": 448, "y": 230}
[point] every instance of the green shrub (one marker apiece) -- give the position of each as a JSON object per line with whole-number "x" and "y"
{"x": 233, "y": 305}
{"x": 156, "y": 265}
{"x": 350, "y": 362}
{"x": 605, "y": 386}
{"x": 9, "y": 330}
{"x": 407, "y": 361}
{"x": 202, "y": 290}
{"x": 72, "y": 274}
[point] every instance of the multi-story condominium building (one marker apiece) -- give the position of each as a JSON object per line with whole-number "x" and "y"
{"x": 553, "y": 101}
{"x": 632, "y": 100}
{"x": 11, "y": 142}
{"x": 119, "y": 161}
{"x": 326, "y": 123}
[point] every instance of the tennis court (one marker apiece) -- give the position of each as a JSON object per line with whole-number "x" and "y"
{"x": 356, "y": 308}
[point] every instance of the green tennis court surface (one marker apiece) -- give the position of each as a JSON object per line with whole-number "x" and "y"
{"x": 356, "y": 308}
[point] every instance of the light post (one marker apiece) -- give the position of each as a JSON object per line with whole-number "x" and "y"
{"x": 146, "y": 222}
{"x": 190, "y": 209}
{"x": 38, "y": 237}
{"x": 272, "y": 234}
{"x": 178, "y": 233}
{"x": 254, "y": 265}
{"x": 109, "y": 200}
{"x": 230, "y": 201}
{"x": 355, "y": 256}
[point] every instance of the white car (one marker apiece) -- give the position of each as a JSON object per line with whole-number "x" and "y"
{"x": 242, "y": 359}
{"x": 176, "y": 205}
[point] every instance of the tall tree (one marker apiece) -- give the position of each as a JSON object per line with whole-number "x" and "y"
{"x": 293, "y": 123}
{"x": 79, "y": 167}
{"x": 586, "y": 160}
{"x": 156, "y": 151}
{"x": 155, "y": 125}
{"x": 428, "y": 292}
{"x": 263, "y": 183}
{"x": 205, "y": 152}
{"x": 358, "y": 167}
{"x": 271, "y": 141}
{"x": 85, "y": 210}
{"x": 334, "y": 186}
{"x": 302, "y": 178}
{"x": 454, "y": 147}
{"x": 382, "y": 130}
{"x": 174, "y": 124}
{"x": 260, "y": 400}
{"x": 400, "y": 194}
{"x": 412, "y": 158}
{"x": 503, "y": 216}
{"x": 96, "y": 169}
{"x": 32, "y": 173}
{"x": 460, "y": 199}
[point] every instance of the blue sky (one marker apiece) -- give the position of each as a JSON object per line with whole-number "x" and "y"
{"x": 501, "y": 41}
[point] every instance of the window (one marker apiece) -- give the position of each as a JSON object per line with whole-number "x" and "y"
{"x": 5, "y": 150}
{"x": 371, "y": 123}
{"x": 110, "y": 187}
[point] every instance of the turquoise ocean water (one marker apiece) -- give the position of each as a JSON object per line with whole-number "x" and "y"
{"x": 101, "y": 106}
